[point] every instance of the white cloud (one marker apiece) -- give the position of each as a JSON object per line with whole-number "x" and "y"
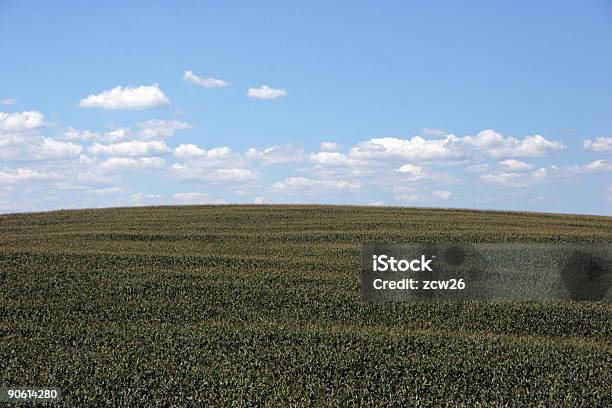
{"x": 260, "y": 200}
{"x": 600, "y": 144}
{"x": 7, "y": 101}
{"x": 51, "y": 149}
{"x": 265, "y": 92}
{"x": 156, "y": 128}
{"x": 20, "y": 121}
{"x": 276, "y": 155}
{"x": 192, "y": 151}
{"x": 25, "y": 174}
{"x": 452, "y": 148}
{"x": 105, "y": 190}
{"x": 133, "y": 163}
{"x": 416, "y": 148}
{"x": 133, "y": 148}
{"x": 496, "y": 145}
{"x": 330, "y": 146}
{"x": 597, "y": 165}
{"x": 333, "y": 159}
{"x": 477, "y": 168}
{"x": 189, "y": 76}
{"x": 411, "y": 169}
{"x": 136, "y": 98}
{"x": 514, "y": 165}
{"x": 141, "y": 198}
{"x": 376, "y": 204}
{"x": 513, "y": 179}
{"x": 217, "y": 176}
{"x": 196, "y": 198}
{"x": 411, "y": 195}
{"x": 150, "y": 129}
{"x": 546, "y": 174}
{"x": 310, "y": 186}
{"x": 73, "y": 134}
{"x": 232, "y": 175}
{"x": 442, "y": 195}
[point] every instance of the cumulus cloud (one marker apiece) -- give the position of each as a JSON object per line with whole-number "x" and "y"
{"x": 25, "y": 174}
{"x": 142, "y": 198}
{"x": 156, "y": 128}
{"x": 72, "y": 134}
{"x": 190, "y": 151}
{"x": 546, "y": 174}
{"x": 442, "y": 194}
{"x": 330, "y": 146}
{"x": 150, "y": 129}
{"x": 217, "y": 176}
{"x": 411, "y": 169}
{"x": 232, "y": 175}
{"x": 276, "y": 155}
{"x": 7, "y": 101}
{"x": 135, "y": 98}
{"x": 310, "y": 186}
{"x": 496, "y": 145}
{"x": 20, "y": 121}
{"x": 51, "y": 149}
{"x": 478, "y": 168}
{"x": 451, "y": 148}
{"x": 512, "y": 164}
{"x": 600, "y": 144}
{"x": 133, "y": 163}
{"x": 196, "y": 198}
{"x": 416, "y": 148}
{"x": 513, "y": 179}
{"x": 189, "y": 76}
{"x": 408, "y": 194}
{"x": 265, "y": 92}
{"x": 333, "y": 159}
{"x": 597, "y": 165}
{"x": 133, "y": 148}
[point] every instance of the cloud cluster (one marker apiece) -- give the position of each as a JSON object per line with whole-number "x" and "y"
{"x": 20, "y": 121}
{"x": 191, "y": 151}
{"x": 304, "y": 185}
{"x": 521, "y": 179}
{"x": 600, "y": 144}
{"x": 132, "y": 148}
{"x": 150, "y": 129}
{"x": 134, "y": 98}
{"x": 427, "y": 170}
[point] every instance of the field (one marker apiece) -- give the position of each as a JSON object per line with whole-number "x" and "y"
{"x": 260, "y": 305}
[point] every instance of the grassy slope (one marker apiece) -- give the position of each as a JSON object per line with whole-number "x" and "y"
{"x": 243, "y": 303}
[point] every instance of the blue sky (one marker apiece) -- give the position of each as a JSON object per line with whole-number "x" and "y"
{"x": 501, "y": 105}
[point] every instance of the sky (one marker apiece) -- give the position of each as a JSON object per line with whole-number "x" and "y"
{"x": 502, "y": 105}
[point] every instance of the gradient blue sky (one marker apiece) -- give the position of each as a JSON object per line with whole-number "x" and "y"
{"x": 367, "y": 77}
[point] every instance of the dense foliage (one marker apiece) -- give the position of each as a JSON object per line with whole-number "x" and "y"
{"x": 245, "y": 305}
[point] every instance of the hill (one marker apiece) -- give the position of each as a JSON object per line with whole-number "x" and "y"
{"x": 229, "y": 304}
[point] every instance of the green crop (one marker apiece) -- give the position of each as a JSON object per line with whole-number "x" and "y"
{"x": 261, "y": 305}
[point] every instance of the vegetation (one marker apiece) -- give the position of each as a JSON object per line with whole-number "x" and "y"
{"x": 254, "y": 305}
